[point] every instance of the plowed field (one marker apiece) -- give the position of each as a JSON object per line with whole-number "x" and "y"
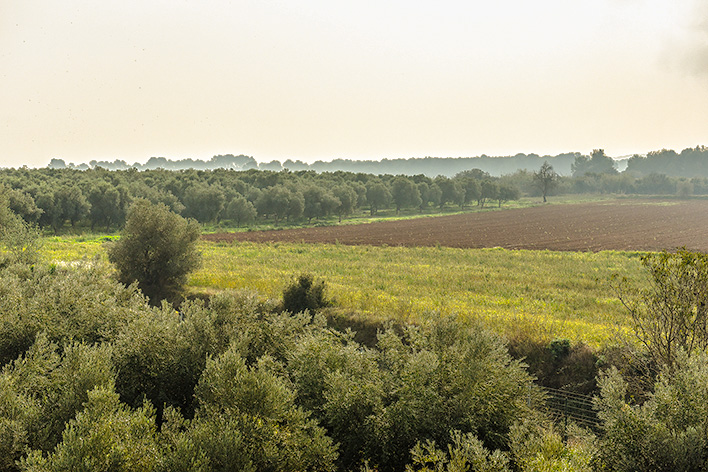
{"x": 643, "y": 225}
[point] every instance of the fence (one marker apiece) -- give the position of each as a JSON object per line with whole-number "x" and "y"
{"x": 568, "y": 406}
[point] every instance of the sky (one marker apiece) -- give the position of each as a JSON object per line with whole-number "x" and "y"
{"x": 84, "y": 80}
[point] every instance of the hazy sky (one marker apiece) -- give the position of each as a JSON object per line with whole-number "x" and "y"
{"x": 310, "y": 79}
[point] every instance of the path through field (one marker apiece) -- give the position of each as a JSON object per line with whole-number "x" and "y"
{"x": 637, "y": 224}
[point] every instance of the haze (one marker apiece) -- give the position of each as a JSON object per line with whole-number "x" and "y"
{"x": 319, "y": 80}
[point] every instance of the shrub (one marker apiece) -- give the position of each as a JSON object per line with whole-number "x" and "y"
{"x": 378, "y": 403}
{"x": 536, "y": 445}
{"x": 19, "y": 240}
{"x": 69, "y": 304}
{"x": 465, "y": 453}
{"x": 106, "y": 435}
{"x": 304, "y": 294}
{"x": 42, "y": 390}
{"x": 247, "y": 420}
{"x": 667, "y": 431}
{"x": 672, "y": 313}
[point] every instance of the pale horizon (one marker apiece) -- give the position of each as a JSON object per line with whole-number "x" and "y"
{"x": 316, "y": 80}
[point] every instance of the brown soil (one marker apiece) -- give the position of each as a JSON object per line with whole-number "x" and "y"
{"x": 641, "y": 225}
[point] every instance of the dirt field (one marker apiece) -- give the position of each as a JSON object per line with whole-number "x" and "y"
{"x": 619, "y": 225}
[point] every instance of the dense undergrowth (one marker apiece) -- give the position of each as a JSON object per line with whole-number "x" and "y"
{"x": 96, "y": 378}
{"x": 441, "y": 373}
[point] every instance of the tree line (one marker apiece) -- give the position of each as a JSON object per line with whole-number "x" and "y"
{"x": 99, "y": 198}
{"x": 690, "y": 162}
{"x": 55, "y": 198}
{"x": 430, "y": 166}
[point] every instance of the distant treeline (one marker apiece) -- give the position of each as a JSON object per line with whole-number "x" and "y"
{"x": 56, "y": 197}
{"x": 691, "y": 162}
{"x": 430, "y": 166}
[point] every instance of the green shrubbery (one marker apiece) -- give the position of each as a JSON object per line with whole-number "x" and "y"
{"x": 156, "y": 250}
{"x": 304, "y": 294}
{"x": 94, "y": 377}
{"x": 232, "y": 383}
{"x": 668, "y": 430}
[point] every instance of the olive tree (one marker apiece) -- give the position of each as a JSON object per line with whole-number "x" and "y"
{"x": 157, "y": 249}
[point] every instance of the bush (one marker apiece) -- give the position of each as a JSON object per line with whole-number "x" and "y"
{"x": 666, "y": 432}
{"x": 42, "y": 390}
{"x": 304, "y": 294}
{"x": 106, "y": 435}
{"x": 247, "y": 420}
{"x": 160, "y": 358}
{"x": 69, "y": 304}
{"x": 465, "y": 453}
{"x": 672, "y": 313}
{"x": 536, "y": 445}
{"x": 157, "y": 249}
{"x": 378, "y": 403}
{"x": 19, "y": 240}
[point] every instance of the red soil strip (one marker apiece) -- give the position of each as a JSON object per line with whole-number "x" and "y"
{"x": 638, "y": 225}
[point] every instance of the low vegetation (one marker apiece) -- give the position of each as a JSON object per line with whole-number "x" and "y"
{"x": 547, "y": 294}
{"x": 98, "y": 376}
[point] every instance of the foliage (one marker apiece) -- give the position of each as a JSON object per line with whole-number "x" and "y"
{"x": 348, "y": 200}
{"x": 466, "y": 452}
{"x": 108, "y": 205}
{"x": 507, "y": 193}
{"x": 304, "y": 294}
{"x": 405, "y": 193}
{"x": 536, "y": 445}
{"x": 247, "y": 420}
{"x": 161, "y": 358}
{"x": 240, "y": 210}
{"x": 671, "y": 314}
{"x": 79, "y": 303}
{"x": 19, "y": 240}
{"x": 378, "y": 403}
{"x": 597, "y": 163}
{"x": 203, "y": 203}
{"x": 378, "y": 196}
{"x": 157, "y": 249}
{"x": 42, "y": 390}
{"x": 667, "y": 432}
{"x": 105, "y": 436}
{"x": 96, "y": 197}
{"x": 451, "y": 191}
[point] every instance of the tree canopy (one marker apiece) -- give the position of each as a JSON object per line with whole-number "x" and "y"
{"x": 156, "y": 249}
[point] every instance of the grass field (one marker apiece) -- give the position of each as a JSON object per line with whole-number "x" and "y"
{"x": 547, "y": 294}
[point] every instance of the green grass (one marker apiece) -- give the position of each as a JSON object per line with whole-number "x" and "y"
{"x": 543, "y": 293}
{"x": 74, "y": 248}
{"x": 551, "y": 294}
